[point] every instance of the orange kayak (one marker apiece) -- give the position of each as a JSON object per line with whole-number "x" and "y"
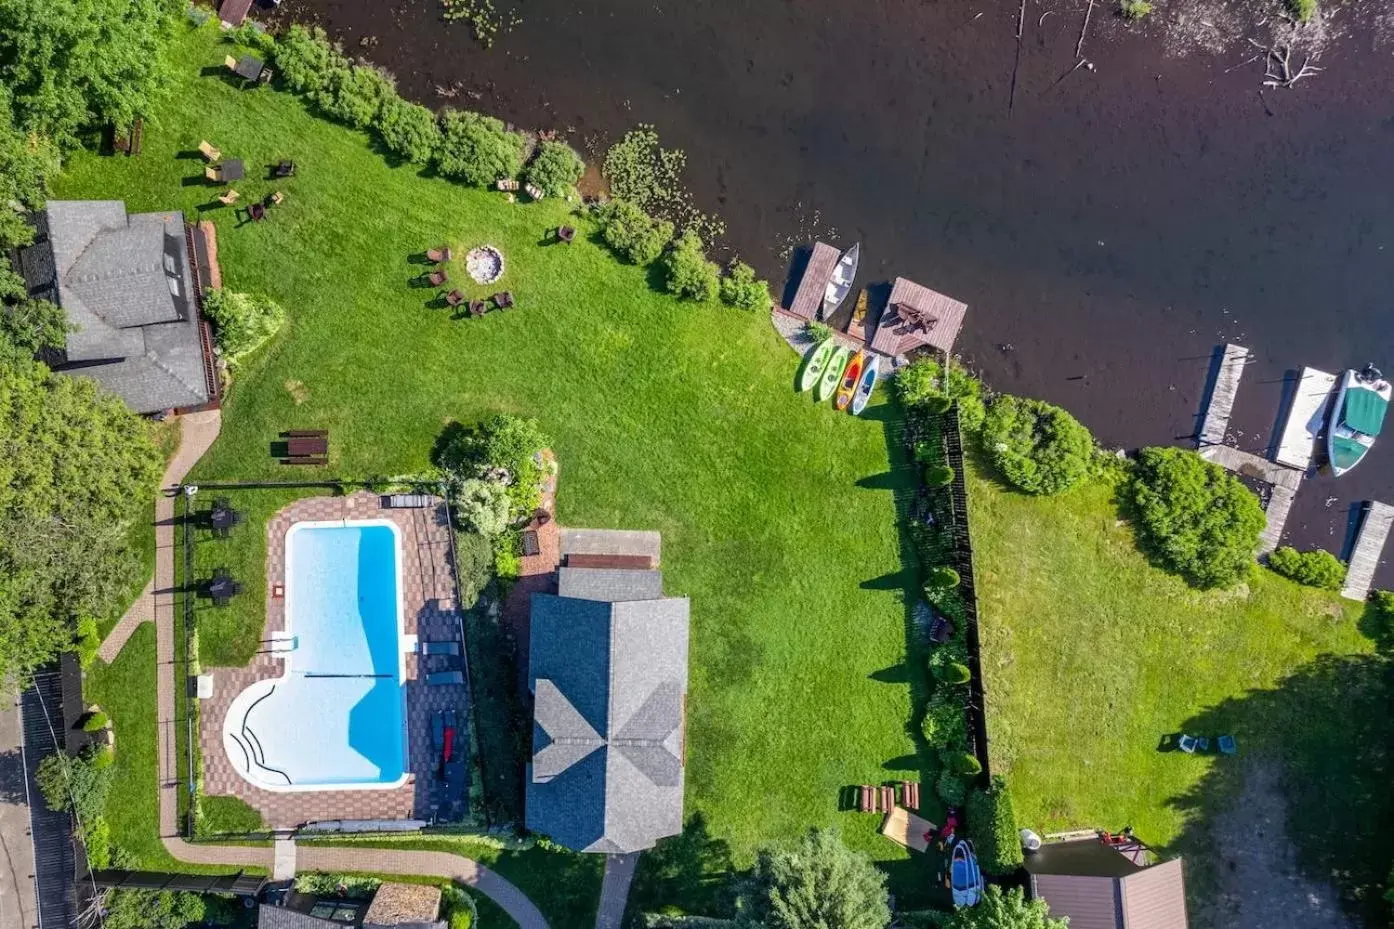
{"x": 848, "y": 388}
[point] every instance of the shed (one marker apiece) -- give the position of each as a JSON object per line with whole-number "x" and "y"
{"x": 1103, "y": 886}
{"x": 916, "y": 316}
{"x": 233, "y": 12}
{"x": 399, "y": 905}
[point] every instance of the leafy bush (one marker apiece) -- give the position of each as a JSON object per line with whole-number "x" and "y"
{"x": 633, "y": 234}
{"x": 145, "y": 909}
{"x": 484, "y": 507}
{"x": 1317, "y": 568}
{"x": 409, "y": 130}
{"x": 951, "y": 787}
{"x": 1195, "y": 517}
{"x": 818, "y": 332}
{"x": 923, "y": 384}
{"x": 477, "y": 149}
{"x": 689, "y": 273}
{"x": 954, "y": 672}
{"x": 1009, "y": 909}
{"x": 991, "y": 824}
{"x": 943, "y": 578}
{"x": 94, "y": 721}
{"x": 943, "y": 723}
{"x": 938, "y": 475}
{"x": 458, "y": 907}
{"x": 87, "y": 641}
{"x": 819, "y": 883}
{"x": 555, "y": 168}
{"x": 475, "y": 555}
{"x": 1135, "y": 10}
{"x": 251, "y": 35}
{"x": 1037, "y": 446}
{"x": 75, "y": 784}
{"x": 357, "y": 95}
{"x": 244, "y": 322}
{"x": 741, "y": 288}
{"x": 95, "y": 834}
{"x": 101, "y": 756}
{"x": 508, "y": 556}
{"x": 1302, "y": 10}
{"x": 964, "y": 764}
{"x": 330, "y": 884}
{"x": 306, "y": 59}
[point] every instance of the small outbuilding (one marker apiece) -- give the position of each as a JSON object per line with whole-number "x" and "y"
{"x": 1105, "y": 881}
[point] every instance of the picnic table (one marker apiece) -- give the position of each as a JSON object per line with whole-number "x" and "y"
{"x": 308, "y": 446}
{"x": 248, "y": 67}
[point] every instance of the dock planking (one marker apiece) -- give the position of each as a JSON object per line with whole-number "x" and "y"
{"x": 1305, "y": 419}
{"x": 1222, "y": 393}
{"x": 1369, "y": 545}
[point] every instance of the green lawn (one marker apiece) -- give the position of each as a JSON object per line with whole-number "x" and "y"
{"x": 775, "y": 513}
{"x": 1091, "y": 655}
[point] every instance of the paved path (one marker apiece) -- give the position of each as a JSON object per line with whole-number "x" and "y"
{"x": 142, "y": 610}
{"x": 614, "y": 891}
{"x": 18, "y": 906}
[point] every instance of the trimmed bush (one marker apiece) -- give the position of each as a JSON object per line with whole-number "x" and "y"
{"x": 357, "y": 95}
{"x": 409, "y": 130}
{"x": 923, "y": 384}
{"x": 741, "y": 288}
{"x": 951, "y": 787}
{"x": 556, "y": 168}
{"x": 943, "y": 578}
{"x": 477, "y": 149}
{"x": 96, "y": 839}
{"x": 1037, "y": 446}
{"x": 1195, "y": 517}
{"x": 689, "y": 273}
{"x": 244, "y": 322}
{"x": 818, "y": 332}
{"x": 964, "y": 764}
{"x": 991, "y": 824}
{"x": 1000, "y": 909}
{"x": 102, "y": 756}
{"x": 484, "y": 507}
{"x": 87, "y": 641}
{"x": 953, "y": 673}
{"x": 1318, "y": 568}
{"x": 632, "y": 234}
{"x": 938, "y": 475}
{"x": 942, "y": 726}
{"x": 306, "y": 59}
{"x": 94, "y": 721}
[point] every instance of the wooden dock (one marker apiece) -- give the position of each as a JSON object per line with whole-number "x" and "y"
{"x": 1369, "y": 545}
{"x": 1222, "y": 392}
{"x": 1285, "y": 482}
{"x": 1306, "y": 417}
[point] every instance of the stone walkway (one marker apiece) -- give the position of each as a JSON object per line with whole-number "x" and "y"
{"x": 142, "y": 610}
{"x": 614, "y": 890}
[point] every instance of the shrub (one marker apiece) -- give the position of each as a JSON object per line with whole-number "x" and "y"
{"x": 508, "y": 448}
{"x": 689, "y": 273}
{"x": 1038, "y": 447}
{"x": 633, "y": 235}
{"x": 357, "y": 95}
{"x": 87, "y": 641}
{"x": 101, "y": 756}
{"x": 94, "y": 721}
{"x": 508, "y": 555}
{"x": 74, "y": 784}
{"x": 458, "y": 907}
{"x": 1195, "y": 517}
{"x": 1302, "y": 10}
{"x": 819, "y": 883}
{"x": 329, "y": 884}
{"x": 999, "y": 909}
{"x": 954, "y": 672}
{"x": 943, "y": 723}
{"x": 475, "y": 555}
{"x": 556, "y": 168}
{"x": 964, "y": 764}
{"x": 951, "y": 787}
{"x": 943, "y": 578}
{"x": 145, "y": 909}
{"x": 1135, "y": 10}
{"x": 741, "y": 288}
{"x": 923, "y": 384}
{"x": 306, "y": 59}
{"x": 477, "y": 149}
{"x": 244, "y": 322}
{"x": 484, "y": 507}
{"x": 819, "y": 332}
{"x": 991, "y": 824}
{"x": 938, "y": 475}
{"x": 96, "y": 839}
{"x": 249, "y": 35}
{"x": 1317, "y": 568}
{"x": 409, "y": 130}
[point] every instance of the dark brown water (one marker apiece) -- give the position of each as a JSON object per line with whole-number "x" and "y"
{"x": 1107, "y": 229}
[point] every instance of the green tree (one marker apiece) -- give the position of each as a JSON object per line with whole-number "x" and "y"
{"x": 923, "y": 385}
{"x": 991, "y": 824}
{"x": 1195, "y": 517}
{"x": 1318, "y": 568}
{"x": 409, "y": 130}
{"x": 633, "y": 234}
{"x": 28, "y": 326}
{"x": 244, "y": 322}
{"x": 1038, "y": 447}
{"x": 503, "y": 447}
{"x": 484, "y": 506}
{"x": 145, "y": 909}
{"x": 689, "y": 273}
{"x": 307, "y": 59}
{"x": 477, "y": 149}
{"x": 78, "y": 469}
{"x": 357, "y": 95}
{"x": 818, "y": 883}
{"x": 555, "y": 168}
{"x": 27, "y": 160}
{"x": 77, "y": 784}
{"x": 72, "y": 64}
{"x": 741, "y": 288}
{"x": 1009, "y": 910}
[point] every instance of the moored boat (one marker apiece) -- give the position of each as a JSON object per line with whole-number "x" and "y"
{"x": 871, "y": 371}
{"x": 817, "y": 361}
{"x": 841, "y": 283}
{"x": 1361, "y": 403}
{"x": 850, "y": 379}
{"x": 832, "y": 374}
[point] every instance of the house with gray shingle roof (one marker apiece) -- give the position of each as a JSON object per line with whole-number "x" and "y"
{"x": 127, "y": 286}
{"x": 607, "y": 668}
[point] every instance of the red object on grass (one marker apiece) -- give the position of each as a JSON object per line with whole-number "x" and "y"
{"x": 449, "y": 742}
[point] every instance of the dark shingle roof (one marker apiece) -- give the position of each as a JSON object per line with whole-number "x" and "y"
{"x": 279, "y": 917}
{"x": 611, "y": 585}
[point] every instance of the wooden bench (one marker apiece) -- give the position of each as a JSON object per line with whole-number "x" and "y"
{"x": 866, "y": 801}
{"x": 622, "y": 562}
{"x": 910, "y": 794}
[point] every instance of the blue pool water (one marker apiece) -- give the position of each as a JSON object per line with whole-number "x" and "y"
{"x": 336, "y": 717}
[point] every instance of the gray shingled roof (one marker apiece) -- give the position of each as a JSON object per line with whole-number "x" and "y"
{"x": 611, "y": 585}
{"x": 279, "y": 917}
{"x": 609, "y": 681}
{"x": 125, "y": 282}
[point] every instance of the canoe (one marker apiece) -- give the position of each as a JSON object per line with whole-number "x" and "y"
{"x": 817, "y": 360}
{"x": 1360, "y": 407}
{"x": 850, "y": 379}
{"x": 841, "y": 283}
{"x": 871, "y": 371}
{"x": 965, "y": 876}
{"x": 831, "y": 375}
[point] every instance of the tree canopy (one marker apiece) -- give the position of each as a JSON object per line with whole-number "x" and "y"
{"x": 1010, "y": 910}
{"x": 818, "y": 883}
{"x": 1038, "y": 447}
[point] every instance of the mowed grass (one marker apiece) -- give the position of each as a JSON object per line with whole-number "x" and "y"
{"x": 664, "y": 415}
{"x": 1091, "y": 656}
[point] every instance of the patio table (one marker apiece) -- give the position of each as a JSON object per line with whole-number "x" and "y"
{"x": 233, "y": 169}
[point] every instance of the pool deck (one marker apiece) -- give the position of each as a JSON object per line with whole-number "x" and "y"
{"x": 429, "y": 611}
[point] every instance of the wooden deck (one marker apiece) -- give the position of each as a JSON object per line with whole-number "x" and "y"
{"x": 1306, "y": 418}
{"x": 813, "y": 286}
{"x": 1222, "y": 392}
{"x": 1285, "y": 482}
{"x": 1369, "y": 545}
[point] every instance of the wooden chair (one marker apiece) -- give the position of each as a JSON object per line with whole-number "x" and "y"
{"x": 213, "y": 173}
{"x": 503, "y": 300}
{"x": 265, "y": 76}
{"x": 566, "y": 234}
{"x": 209, "y": 152}
{"x": 229, "y": 198}
{"x": 438, "y": 254}
{"x": 230, "y": 63}
{"x": 534, "y": 191}
{"x": 865, "y": 801}
{"x": 508, "y": 184}
{"x": 478, "y": 307}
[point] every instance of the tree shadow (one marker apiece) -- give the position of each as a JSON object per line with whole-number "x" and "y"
{"x": 692, "y": 870}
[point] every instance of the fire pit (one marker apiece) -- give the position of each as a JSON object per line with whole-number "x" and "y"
{"x": 484, "y": 264}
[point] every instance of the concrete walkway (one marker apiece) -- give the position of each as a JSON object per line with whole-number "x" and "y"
{"x": 614, "y": 891}
{"x": 18, "y": 902}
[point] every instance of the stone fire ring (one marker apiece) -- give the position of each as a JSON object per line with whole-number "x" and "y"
{"x": 484, "y": 264}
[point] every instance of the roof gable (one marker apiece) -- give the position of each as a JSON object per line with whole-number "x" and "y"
{"x": 1155, "y": 897}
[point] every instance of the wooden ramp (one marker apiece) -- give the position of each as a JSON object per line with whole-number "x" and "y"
{"x": 1369, "y": 545}
{"x": 1222, "y": 392}
{"x": 1306, "y": 418}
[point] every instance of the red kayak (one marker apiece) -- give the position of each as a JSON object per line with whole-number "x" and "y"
{"x": 848, "y": 390}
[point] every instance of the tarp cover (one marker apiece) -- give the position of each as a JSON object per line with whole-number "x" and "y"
{"x": 1365, "y": 410}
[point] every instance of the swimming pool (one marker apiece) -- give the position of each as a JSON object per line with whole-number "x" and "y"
{"x": 335, "y": 718}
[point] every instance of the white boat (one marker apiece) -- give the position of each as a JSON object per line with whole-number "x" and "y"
{"x": 870, "y": 372}
{"x": 841, "y": 283}
{"x": 1359, "y": 415}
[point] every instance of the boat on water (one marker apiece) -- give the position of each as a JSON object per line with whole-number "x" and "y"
{"x": 832, "y": 374}
{"x": 1361, "y": 403}
{"x": 817, "y": 361}
{"x": 850, "y": 378}
{"x": 966, "y": 878}
{"x": 871, "y": 371}
{"x": 841, "y": 283}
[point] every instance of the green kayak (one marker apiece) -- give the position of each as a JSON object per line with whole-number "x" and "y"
{"x": 817, "y": 360}
{"x": 832, "y": 374}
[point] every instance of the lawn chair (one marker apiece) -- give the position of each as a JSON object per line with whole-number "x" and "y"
{"x": 534, "y": 191}
{"x": 1228, "y": 746}
{"x": 438, "y": 255}
{"x": 478, "y": 307}
{"x": 1193, "y": 745}
{"x": 439, "y": 648}
{"x": 865, "y": 803}
{"x": 275, "y": 198}
{"x": 503, "y": 300}
{"x": 437, "y": 277}
{"x": 229, "y": 198}
{"x": 230, "y": 63}
{"x": 508, "y": 184}
{"x": 213, "y": 173}
{"x": 566, "y": 234}
{"x": 265, "y": 76}
{"x": 285, "y": 169}
{"x": 454, "y": 298}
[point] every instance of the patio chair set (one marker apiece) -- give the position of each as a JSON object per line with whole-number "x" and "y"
{"x": 452, "y": 672}
{"x": 500, "y": 301}
{"x": 882, "y": 798}
{"x": 222, "y": 519}
{"x": 306, "y": 447}
{"x": 509, "y": 185}
{"x": 251, "y": 69}
{"x": 221, "y": 588}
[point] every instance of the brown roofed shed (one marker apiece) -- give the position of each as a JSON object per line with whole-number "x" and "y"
{"x": 897, "y": 336}
{"x": 233, "y": 12}
{"x": 1099, "y": 887}
{"x": 813, "y": 286}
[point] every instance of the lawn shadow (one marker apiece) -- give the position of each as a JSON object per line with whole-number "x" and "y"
{"x": 798, "y": 263}
{"x": 188, "y": 154}
{"x": 693, "y": 870}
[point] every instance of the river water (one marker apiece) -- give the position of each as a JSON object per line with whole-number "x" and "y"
{"x": 1107, "y": 228}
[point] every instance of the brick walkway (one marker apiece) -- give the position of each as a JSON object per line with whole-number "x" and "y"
{"x": 614, "y": 889}
{"x": 142, "y": 610}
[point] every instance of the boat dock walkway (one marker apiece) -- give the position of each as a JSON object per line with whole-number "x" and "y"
{"x": 1369, "y": 545}
{"x": 1306, "y": 418}
{"x": 1222, "y": 393}
{"x": 1285, "y": 482}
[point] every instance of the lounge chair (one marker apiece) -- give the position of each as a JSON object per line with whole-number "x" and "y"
{"x": 437, "y": 277}
{"x": 438, "y": 254}
{"x": 534, "y": 191}
{"x": 478, "y": 307}
{"x": 566, "y": 234}
{"x": 209, "y": 153}
{"x": 275, "y": 198}
{"x": 229, "y": 198}
{"x": 1228, "y": 746}
{"x": 503, "y": 300}
{"x": 508, "y": 184}
{"x": 285, "y": 169}
{"x": 445, "y": 677}
{"x": 265, "y": 76}
{"x": 439, "y": 648}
